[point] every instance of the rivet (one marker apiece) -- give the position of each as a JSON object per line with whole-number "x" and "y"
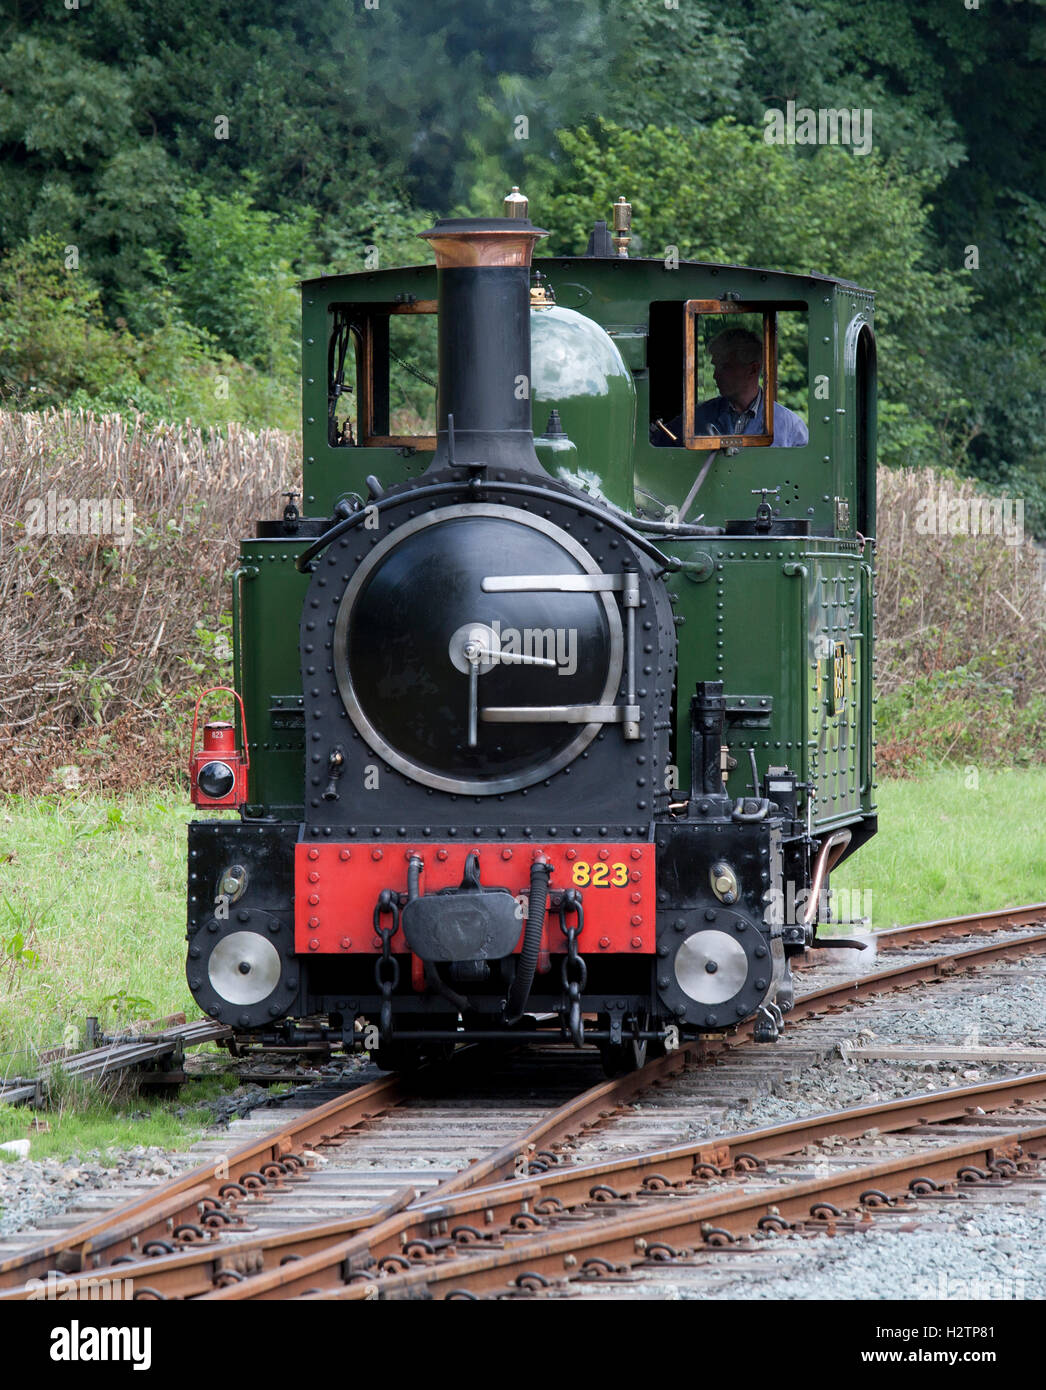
{"x": 637, "y": 941}
{"x": 637, "y": 921}
{"x": 345, "y": 854}
{"x": 314, "y": 944}
{"x": 604, "y": 943}
{"x": 314, "y": 877}
{"x": 376, "y": 854}
{"x": 345, "y": 943}
{"x": 441, "y": 854}
{"x": 314, "y": 853}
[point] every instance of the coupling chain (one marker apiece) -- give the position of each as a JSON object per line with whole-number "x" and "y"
{"x": 386, "y": 967}
{"x": 575, "y": 971}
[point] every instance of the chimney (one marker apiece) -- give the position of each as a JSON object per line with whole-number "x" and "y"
{"x": 483, "y": 274}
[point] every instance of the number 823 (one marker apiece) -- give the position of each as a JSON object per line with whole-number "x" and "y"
{"x": 599, "y": 875}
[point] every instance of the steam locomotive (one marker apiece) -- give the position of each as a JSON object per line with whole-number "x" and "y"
{"x": 554, "y": 708}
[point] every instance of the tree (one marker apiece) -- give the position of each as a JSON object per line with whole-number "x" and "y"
{"x": 235, "y": 277}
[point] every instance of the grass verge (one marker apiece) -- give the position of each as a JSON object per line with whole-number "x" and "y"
{"x": 954, "y": 841}
{"x": 92, "y": 917}
{"x": 88, "y": 1120}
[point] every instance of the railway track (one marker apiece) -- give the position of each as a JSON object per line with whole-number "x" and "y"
{"x": 224, "y": 1228}
{"x": 596, "y": 1220}
{"x": 114, "y": 1055}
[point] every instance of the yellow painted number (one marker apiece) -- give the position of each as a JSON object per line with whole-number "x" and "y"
{"x": 600, "y": 875}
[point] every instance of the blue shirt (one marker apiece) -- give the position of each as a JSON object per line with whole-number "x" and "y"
{"x": 718, "y": 416}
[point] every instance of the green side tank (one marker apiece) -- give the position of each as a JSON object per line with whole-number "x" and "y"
{"x": 577, "y": 370}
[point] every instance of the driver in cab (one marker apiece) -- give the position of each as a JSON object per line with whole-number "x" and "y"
{"x": 737, "y": 360}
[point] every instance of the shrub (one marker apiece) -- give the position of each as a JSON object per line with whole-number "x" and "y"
{"x": 103, "y": 643}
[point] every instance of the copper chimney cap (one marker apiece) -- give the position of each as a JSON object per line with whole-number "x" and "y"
{"x": 482, "y": 241}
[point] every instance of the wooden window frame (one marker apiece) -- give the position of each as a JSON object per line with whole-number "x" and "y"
{"x": 369, "y": 320}
{"x": 693, "y": 308}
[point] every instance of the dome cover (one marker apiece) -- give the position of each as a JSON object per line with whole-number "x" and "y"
{"x": 577, "y": 369}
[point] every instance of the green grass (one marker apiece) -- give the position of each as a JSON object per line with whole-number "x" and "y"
{"x": 92, "y": 922}
{"x": 955, "y": 841}
{"x": 83, "y": 1121}
{"x": 92, "y": 917}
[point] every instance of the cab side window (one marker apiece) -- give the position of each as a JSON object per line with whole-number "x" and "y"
{"x": 728, "y": 374}
{"x": 381, "y": 375}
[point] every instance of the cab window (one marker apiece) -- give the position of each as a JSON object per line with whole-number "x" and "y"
{"x": 381, "y": 375}
{"x": 728, "y": 374}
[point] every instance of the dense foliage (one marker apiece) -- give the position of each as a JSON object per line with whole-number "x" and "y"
{"x": 168, "y": 170}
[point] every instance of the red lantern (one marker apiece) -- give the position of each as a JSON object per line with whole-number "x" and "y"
{"x": 218, "y": 773}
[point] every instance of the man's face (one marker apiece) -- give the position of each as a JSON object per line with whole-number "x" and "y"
{"x": 737, "y": 381}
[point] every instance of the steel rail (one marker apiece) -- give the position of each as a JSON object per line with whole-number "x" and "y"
{"x": 130, "y": 1229}
{"x": 912, "y": 973}
{"x": 196, "y": 1270}
{"x": 117, "y": 1055}
{"x": 943, "y": 929}
{"x": 971, "y": 925}
{"x": 672, "y": 1225}
{"x": 330, "y": 1252}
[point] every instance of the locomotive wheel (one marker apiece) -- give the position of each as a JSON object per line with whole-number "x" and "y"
{"x": 620, "y": 1059}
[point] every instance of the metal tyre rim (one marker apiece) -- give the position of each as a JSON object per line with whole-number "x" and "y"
{"x": 244, "y": 968}
{"x": 711, "y": 967}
